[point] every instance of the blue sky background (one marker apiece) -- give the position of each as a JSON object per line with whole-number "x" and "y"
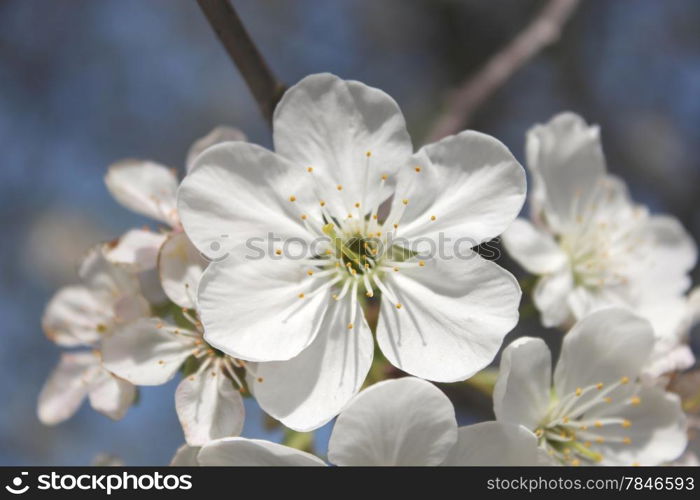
{"x": 85, "y": 83}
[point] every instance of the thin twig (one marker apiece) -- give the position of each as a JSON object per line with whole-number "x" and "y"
{"x": 266, "y": 89}
{"x": 544, "y": 30}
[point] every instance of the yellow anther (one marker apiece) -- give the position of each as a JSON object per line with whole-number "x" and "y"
{"x": 385, "y": 177}
{"x": 161, "y": 362}
{"x": 625, "y": 380}
{"x": 432, "y": 217}
{"x": 421, "y": 263}
{"x": 607, "y": 399}
{"x": 627, "y": 440}
{"x": 583, "y": 427}
{"x": 310, "y": 273}
{"x": 335, "y": 297}
{"x": 374, "y": 217}
{"x": 278, "y": 252}
{"x": 368, "y": 154}
{"x": 404, "y": 201}
{"x": 635, "y": 400}
{"x": 301, "y": 295}
{"x": 600, "y": 440}
{"x": 636, "y": 464}
{"x": 349, "y": 216}
{"x": 292, "y": 198}
{"x": 396, "y": 226}
{"x": 579, "y": 391}
{"x": 357, "y": 205}
{"x": 626, "y": 423}
{"x": 260, "y": 379}
{"x": 396, "y": 269}
{"x": 329, "y": 252}
{"x": 598, "y": 423}
{"x": 310, "y": 169}
{"x": 349, "y": 326}
{"x": 398, "y": 306}
{"x": 565, "y": 420}
{"x": 599, "y": 385}
{"x": 303, "y": 217}
{"x": 369, "y": 294}
{"x": 539, "y": 433}
{"x": 587, "y": 444}
{"x": 339, "y": 187}
{"x": 576, "y": 462}
{"x": 417, "y": 169}
{"x": 322, "y": 203}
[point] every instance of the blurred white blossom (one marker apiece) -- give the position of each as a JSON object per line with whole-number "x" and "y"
{"x": 593, "y": 247}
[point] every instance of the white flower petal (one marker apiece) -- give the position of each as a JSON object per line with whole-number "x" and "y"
{"x": 551, "y": 296}
{"x": 110, "y": 395}
{"x": 658, "y": 430}
{"x": 603, "y": 347}
{"x": 311, "y": 388}
{"x": 219, "y": 134}
{"x": 674, "y": 359}
{"x": 146, "y": 352}
{"x": 532, "y": 248}
{"x": 331, "y": 124}
{"x": 400, "y": 422}
{"x": 209, "y": 407}
{"x": 67, "y": 387}
{"x": 675, "y": 249}
{"x": 494, "y": 444}
{"x": 130, "y": 308}
{"x": 252, "y": 309}
{"x": 469, "y": 187}
{"x": 521, "y": 394}
{"x": 185, "y": 456}
{"x": 75, "y": 316}
{"x": 566, "y": 158}
{"x": 237, "y": 452}
{"x": 137, "y": 248}
{"x": 238, "y": 192}
{"x": 145, "y": 187}
{"x": 453, "y": 317}
{"x": 180, "y": 266}
{"x": 104, "y": 278}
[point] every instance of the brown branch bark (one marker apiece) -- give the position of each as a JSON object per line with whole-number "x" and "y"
{"x": 261, "y": 82}
{"x": 544, "y": 30}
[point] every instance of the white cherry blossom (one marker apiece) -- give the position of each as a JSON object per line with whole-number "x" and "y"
{"x": 409, "y": 421}
{"x": 593, "y": 409}
{"x": 593, "y": 247}
{"x": 149, "y": 188}
{"x": 341, "y": 151}
{"x": 590, "y": 244}
{"x": 402, "y": 422}
{"x": 243, "y": 452}
{"x": 83, "y": 316}
{"x": 151, "y": 352}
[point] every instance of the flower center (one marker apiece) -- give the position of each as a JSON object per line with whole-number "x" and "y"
{"x": 573, "y": 434}
{"x": 357, "y": 252}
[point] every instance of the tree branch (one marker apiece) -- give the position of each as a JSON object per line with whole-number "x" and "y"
{"x": 544, "y": 30}
{"x": 266, "y": 89}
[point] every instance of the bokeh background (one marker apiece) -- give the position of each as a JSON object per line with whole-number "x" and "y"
{"x": 86, "y": 83}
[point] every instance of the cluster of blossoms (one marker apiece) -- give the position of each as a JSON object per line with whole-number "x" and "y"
{"x": 274, "y": 266}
